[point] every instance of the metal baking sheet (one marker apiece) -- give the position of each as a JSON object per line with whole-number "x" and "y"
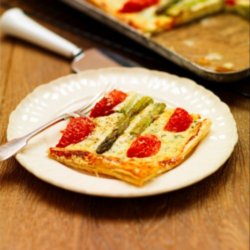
{"x": 206, "y": 47}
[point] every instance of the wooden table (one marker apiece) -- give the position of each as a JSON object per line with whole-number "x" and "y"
{"x": 212, "y": 214}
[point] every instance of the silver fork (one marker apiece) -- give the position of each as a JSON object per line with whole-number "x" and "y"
{"x": 14, "y": 146}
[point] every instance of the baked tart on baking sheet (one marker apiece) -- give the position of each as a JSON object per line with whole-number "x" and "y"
{"x": 154, "y": 16}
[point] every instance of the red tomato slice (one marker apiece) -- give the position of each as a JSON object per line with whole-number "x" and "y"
{"x": 144, "y": 146}
{"x": 179, "y": 121}
{"x": 137, "y": 5}
{"x": 106, "y": 104}
{"x": 230, "y": 2}
{"x": 77, "y": 129}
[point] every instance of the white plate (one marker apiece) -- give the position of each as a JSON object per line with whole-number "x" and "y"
{"x": 46, "y": 100}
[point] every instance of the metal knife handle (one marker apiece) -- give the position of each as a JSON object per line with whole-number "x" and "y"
{"x": 14, "y": 22}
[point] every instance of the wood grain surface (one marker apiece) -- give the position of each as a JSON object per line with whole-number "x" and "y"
{"x": 212, "y": 214}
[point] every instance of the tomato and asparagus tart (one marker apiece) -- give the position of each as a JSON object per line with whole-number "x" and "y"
{"x": 154, "y": 16}
{"x": 130, "y": 137}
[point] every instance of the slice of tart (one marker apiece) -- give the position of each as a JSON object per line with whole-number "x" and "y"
{"x": 130, "y": 137}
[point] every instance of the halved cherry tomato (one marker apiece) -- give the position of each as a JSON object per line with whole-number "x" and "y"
{"x": 144, "y": 146}
{"x": 106, "y": 104}
{"x": 77, "y": 129}
{"x": 230, "y": 2}
{"x": 137, "y": 5}
{"x": 179, "y": 121}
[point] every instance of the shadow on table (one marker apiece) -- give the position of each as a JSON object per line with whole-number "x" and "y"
{"x": 116, "y": 208}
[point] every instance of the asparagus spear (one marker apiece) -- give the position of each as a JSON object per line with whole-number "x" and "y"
{"x": 123, "y": 123}
{"x": 161, "y": 9}
{"x": 156, "y": 110}
{"x": 129, "y": 103}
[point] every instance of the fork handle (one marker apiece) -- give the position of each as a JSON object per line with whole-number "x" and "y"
{"x": 14, "y": 22}
{"x": 14, "y": 146}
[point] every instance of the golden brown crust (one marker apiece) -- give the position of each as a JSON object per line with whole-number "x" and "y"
{"x": 109, "y": 8}
{"x": 99, "y": 164}
{"x": 133, "y": 170}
